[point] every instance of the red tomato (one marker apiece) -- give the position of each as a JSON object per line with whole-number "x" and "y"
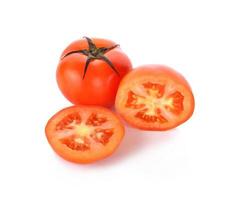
{"x": 154, "y": 97}
{"x": 84, "y": 134}
{"x": 90, "y": 70}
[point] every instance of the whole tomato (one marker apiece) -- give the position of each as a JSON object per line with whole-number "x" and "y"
{"x": 90, "y": 70}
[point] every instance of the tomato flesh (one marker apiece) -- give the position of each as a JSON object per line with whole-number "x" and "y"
{"x": 154, "y": 98}
{"x": 84, "y": 134}
{"x": 151, "y": 105}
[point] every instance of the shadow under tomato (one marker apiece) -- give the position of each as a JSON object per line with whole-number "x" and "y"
{"x": 135, "y": 141}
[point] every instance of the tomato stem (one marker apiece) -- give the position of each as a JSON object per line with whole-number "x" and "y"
{"x": 94, "y": 53}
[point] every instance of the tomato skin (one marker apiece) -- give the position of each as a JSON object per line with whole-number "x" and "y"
{"x": 150, "y": 72}
{"x": 86, "y": 156}
{"x": 100, "y": 84}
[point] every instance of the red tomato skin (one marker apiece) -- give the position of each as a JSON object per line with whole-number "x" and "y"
{"x": 100, "y": 84}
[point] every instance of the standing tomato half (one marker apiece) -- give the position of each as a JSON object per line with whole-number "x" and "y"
{"x": 154, "y": 97}
{"x": 90, "y": 70}
{"x": 83, "y": 134}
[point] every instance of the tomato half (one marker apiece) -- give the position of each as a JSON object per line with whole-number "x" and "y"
{"x": 154, "y": 97}
{"x": 83, "y": 134}
{"x": 90, "y": 70}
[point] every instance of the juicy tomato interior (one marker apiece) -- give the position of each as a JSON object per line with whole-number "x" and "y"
{"x": 84, "y": 134}
{"x": 154, "y": 102}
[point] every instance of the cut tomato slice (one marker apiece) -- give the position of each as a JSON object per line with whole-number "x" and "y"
{"x": 84, "y": 134}
{"x": 154, "y": 97}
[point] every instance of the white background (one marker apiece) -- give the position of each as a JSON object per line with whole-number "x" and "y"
{"x": 194, "y": 161}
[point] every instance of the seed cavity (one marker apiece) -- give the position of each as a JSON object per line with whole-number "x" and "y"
{"x": 154, "y": 89}
{"x": 133, "y": 101}
{"x": 69, "y": 121}
{"x": 102, "y": 135}
{"x": 151, "y": 118}
{"x": 95, "y": 120}
{"x": 76, "y": 143}
{"x": 176, "y": 106}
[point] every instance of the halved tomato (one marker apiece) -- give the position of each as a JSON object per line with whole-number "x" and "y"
{"x": 83, "y": 134}
{"x": 154, "y": 97}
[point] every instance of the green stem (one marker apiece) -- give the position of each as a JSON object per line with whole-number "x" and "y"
{"x": 94, "y": 53}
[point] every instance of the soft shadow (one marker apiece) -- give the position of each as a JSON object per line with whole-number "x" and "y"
{"x": 135, "y": 141}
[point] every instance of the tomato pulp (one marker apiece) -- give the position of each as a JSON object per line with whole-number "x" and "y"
{"x": 83, "y": 134}
{"x": 154, "y": 97}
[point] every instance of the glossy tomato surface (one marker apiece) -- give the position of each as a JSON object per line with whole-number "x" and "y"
{"x": 84, "y": 134}
{"x": 154, "y": 97}
{"x": 98, "y": 85}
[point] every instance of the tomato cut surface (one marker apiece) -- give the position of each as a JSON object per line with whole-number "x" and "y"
{"x": 84, "y": 134}
{"x": 154, "y": 97}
